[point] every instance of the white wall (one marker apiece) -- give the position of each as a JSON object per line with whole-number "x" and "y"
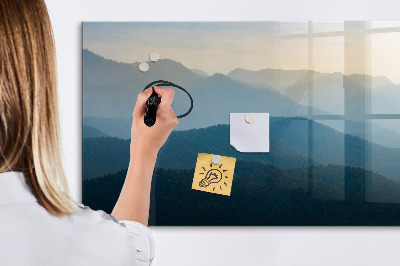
{"x": 220, "y": 245}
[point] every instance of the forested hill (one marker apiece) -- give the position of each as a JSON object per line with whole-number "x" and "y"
{"x": 261, "y": 195}
{"x": 289, "y": 149}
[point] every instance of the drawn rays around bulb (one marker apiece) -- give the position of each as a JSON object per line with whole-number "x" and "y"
{"x": 213, "y": 176}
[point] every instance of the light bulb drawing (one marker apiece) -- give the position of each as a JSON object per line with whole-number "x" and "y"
{"x": 213, "y": 176}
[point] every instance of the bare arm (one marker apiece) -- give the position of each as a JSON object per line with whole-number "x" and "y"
{"x": 134, "y": 201}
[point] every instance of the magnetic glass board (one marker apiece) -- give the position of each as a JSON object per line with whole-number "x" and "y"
{"x": 332, "y": 92}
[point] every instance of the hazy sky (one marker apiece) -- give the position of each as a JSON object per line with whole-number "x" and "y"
{"x": 221, "y": 47}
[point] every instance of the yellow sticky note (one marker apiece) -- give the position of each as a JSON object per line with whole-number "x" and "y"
{"x": 214, "y": 178}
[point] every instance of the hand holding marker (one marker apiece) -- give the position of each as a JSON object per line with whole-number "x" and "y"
{"x": 154, "y": 100}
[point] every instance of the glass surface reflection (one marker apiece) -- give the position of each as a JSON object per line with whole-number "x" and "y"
{"x": 332, "y": 91}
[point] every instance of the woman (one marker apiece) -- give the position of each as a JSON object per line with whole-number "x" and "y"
{"x": 40, "y": 224}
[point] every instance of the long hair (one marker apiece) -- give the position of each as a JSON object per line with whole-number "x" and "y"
{"x": 29, "y": 120}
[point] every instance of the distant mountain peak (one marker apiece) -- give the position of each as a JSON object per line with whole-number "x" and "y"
{"x": 200, "y": 72}
{"x": 88, "y": 52}
{"x": 221, "y": 77}
{"x": 238, "y": 69}
{"x": 170, "y": 61}
{"x": 216, "y": 75}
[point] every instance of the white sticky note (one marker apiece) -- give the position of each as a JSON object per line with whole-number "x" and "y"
{"x": 249, "y": 135}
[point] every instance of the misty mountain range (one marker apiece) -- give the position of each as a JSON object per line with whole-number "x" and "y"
{"x": 328, "y": 93}
{"x": 111, "y": 88}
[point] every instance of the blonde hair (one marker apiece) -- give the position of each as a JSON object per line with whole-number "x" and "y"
{"x": 29, "y": 122}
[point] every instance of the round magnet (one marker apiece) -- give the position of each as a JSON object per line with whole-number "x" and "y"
{"x": 143, "y": 67}
{"x": 154, "y": 57}
{"x": 250, "y": 118}
{"x": 216, "y": 159}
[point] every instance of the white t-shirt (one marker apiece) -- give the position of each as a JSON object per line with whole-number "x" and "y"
{"x": 29, "y": 235}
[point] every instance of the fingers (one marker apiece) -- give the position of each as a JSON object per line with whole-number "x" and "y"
{"x": 167, "y": 97}
{"x": 159, "y": 91}
{"x": 141, "y": 102}
{"x": 164, "y": 110}
{"x": 167, "y": 94}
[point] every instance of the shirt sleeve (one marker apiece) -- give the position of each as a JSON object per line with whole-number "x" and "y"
{"x": 139, "y": 235}
{"x": 143, "y": 241}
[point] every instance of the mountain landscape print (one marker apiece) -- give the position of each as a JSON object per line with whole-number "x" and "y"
{"x": 330, "y": 88}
